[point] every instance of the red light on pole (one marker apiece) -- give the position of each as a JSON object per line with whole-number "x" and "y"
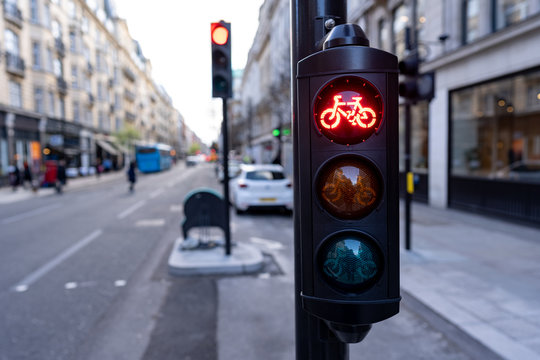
{"x": 220, "y": 34}
{"x": 348, "y": 110}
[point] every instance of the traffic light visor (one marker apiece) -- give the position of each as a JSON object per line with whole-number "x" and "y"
{"x": 350, "y": 261}
{"x": 348, "y": 110}
{"x": 349, "y": 187}
{"x": 220, "y": 34}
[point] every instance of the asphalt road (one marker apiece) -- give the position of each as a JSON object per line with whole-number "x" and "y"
{"x": 83, "y": 275}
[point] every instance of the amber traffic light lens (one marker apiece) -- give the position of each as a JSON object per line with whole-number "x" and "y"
{"x": 349, "y": 187}
{"x": 350, "y": 261}
{"x": 348, "y": 110}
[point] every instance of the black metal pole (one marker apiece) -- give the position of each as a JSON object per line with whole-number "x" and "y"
{"x": 408, "y": 175}
{"x": 225, "y": 131}
{"x": 308, "y": 19}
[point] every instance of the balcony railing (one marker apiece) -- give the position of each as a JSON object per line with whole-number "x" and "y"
{"x": 129, "y": 74}
{"x": 60, "y": 47}
{"x": 13, "y": 14}
{"x": 14, "y": 64}
{"x": 130, "y": 116}
{"x": 89, "y": 68}
{"x": 129, "y": 95}
{"x": 62, "y": 85}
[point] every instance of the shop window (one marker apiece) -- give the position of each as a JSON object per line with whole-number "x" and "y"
{"x": 419, "y": 138}
{"x": 494, "y": 129}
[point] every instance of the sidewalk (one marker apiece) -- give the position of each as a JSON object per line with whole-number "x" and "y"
{"x": 8, "y": 196}
{"x": 481, "y": 274}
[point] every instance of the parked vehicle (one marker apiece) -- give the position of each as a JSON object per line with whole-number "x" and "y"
{"x": 234, "y": 170}
{"x": 261, "y": 186}
{"x": 153, "y": 158}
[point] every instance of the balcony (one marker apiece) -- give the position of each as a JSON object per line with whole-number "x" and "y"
{"x": 130, "y": 116}
{"x": 60, "y": 48}
{"x": 89, "y": 68}
{"x": 14, "y": 64}
{"x": 13, "y": 14}
{"x": 129, "y": 74}
{"x": 62, "y": 85}
{"x": 129, "y": 95}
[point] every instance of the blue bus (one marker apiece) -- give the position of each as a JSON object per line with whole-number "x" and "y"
{"x": 153, "y": 158}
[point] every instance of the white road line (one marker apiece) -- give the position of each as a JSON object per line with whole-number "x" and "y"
{"x": 31, "y": 213}
{"x": 131, "y": 209}
{"x": 42, "y": 271}
{"x": 156, "y": 193}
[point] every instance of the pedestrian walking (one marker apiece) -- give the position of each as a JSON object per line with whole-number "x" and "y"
{"x": 132, "y": 176}
{"x": 27, "y": 175}
{"x": 14, "y": 176}
{"x": 60, "y": 176}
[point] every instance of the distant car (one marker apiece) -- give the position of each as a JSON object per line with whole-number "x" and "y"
{"x": 261, "y": 186}
{"x": 192, "y": 160}
{"x": 234, "y": 170}
{"x": 526, "y": 170}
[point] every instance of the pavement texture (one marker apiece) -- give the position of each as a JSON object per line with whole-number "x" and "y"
{"x": 479, "y": 273}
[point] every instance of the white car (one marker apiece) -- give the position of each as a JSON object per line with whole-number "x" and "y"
{"x": 261, "y": 186}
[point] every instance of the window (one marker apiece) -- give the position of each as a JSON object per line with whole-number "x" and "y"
{"x": 494, "y": 129}
{"x": 15, "y": 94}
{"x": 72, "y": 42}
{"x": 47, "y": 15}
{"x": 471, "y": 15}
{"x": 399, "y": 24}
{"x": 49, "y": 60}
{"x": 382, "y": 35}
{"x": 34, "y": 11}
{"x": 56, "y": 30}
{"x": 39, "y": 106}
{"x": 58, "y": 68}
{"x": 51, "y": 103}
{"x": 508, "y": 12}
{"x": 36, "y": 55}
{"x": 74, "y": 77}
{"x": 72, "y": 10}
{"x": 76, "y": 111}
{"x": 62, "y": 104}
{"x": 12, "y": 42}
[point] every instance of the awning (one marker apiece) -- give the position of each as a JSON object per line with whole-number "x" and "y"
{"x": 107, "y": 147}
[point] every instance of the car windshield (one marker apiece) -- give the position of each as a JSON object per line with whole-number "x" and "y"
{"x": 264, "y": 175}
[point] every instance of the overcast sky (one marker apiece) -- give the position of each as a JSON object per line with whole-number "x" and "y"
{"x": 175, "y": 36}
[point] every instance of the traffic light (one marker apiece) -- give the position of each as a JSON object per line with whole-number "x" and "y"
{"x": 221, "y": 59}
{"x": 348, "y": 183}
{"x": 415, "y": 86}
{"x": 276, "y": 132}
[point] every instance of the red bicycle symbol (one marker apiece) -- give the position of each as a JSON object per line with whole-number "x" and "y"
{"x": 362, "y": 116}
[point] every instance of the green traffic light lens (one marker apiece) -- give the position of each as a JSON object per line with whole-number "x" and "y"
{"x": 350, "y": 261}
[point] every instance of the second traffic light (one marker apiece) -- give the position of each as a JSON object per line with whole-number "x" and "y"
{"x": 415, "y": 86}
{"x": 348, "y": 183}
{"x": 221, "y": 59}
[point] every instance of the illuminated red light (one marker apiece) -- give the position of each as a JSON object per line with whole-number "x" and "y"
{"x": 348, "y": 110}
{"x": 220, "y": 35}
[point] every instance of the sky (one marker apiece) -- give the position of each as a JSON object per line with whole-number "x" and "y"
{"x": 175, "y": 36}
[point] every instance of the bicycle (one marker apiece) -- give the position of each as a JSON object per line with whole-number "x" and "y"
{"x": 364, "y": 117}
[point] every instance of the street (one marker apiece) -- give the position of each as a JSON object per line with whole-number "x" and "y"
{"x": 84, "y": 276}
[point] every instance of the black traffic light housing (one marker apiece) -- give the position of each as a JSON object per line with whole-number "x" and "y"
{"x": 220, "y": 33}
{"x": 415, "y": 86}
{"x": 348, "y": 183}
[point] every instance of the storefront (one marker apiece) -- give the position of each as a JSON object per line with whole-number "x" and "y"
{"x": 494, "y": 157}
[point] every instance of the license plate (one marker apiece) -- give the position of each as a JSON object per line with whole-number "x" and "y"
{"x": 267, "y": 199}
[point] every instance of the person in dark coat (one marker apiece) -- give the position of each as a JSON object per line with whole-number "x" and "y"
{"x": 27, "y": 174}
{"x": 132, "y": 176}
{"x": 60, "y": 176}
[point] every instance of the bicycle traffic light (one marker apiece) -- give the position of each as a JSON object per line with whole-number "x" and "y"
{"x": 415, "y": 86}
{"x": 348, "y": 183}
{"x": 221, "y": 59}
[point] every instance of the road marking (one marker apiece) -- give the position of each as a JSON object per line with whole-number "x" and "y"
{"x": 131, "y": 209}
{"x": 156, "y": 193}
{"x": 31, "y": 213}
{"x": 270, "y": 244}
{"x": 176, "y": 208}
{"x": 150, "y": 222}
{"x": 70, "y": 285}
{"x": 25, "y": 283}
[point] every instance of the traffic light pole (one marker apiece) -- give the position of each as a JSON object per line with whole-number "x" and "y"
{"x": 308, "y": 19}
{"x": 224, "y": 131}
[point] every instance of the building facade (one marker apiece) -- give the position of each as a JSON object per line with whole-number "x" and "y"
{"x": 71, "y": 76}
{"x": 476, "y": 144}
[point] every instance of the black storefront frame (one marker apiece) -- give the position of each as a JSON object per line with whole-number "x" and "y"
{"x": 505, "y": 199}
